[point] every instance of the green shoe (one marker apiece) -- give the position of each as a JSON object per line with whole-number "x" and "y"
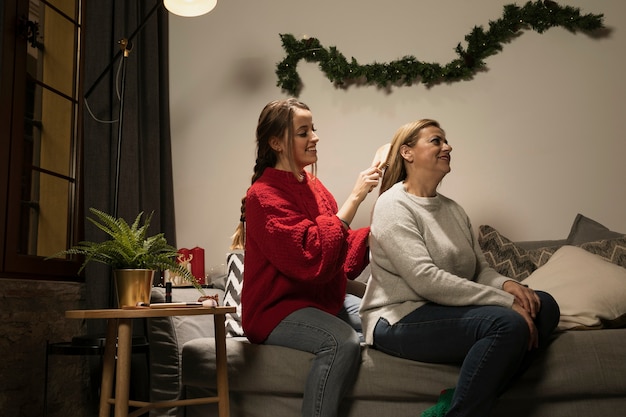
{"x": 443, "y": 404}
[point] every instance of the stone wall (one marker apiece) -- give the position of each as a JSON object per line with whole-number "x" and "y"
{"x": 32, "y": 313}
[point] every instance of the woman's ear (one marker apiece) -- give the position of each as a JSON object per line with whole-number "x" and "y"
{"x": 406, "y": 152}
{"x": 276, "y": 144}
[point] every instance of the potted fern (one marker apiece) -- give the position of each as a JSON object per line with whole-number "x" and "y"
{"x": 132, "y": 255}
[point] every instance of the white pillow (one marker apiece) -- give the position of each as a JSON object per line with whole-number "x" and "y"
{"x": 590, "y": 291}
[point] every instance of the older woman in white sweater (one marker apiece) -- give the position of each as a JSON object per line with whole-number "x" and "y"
{"x": 432, "y": 297}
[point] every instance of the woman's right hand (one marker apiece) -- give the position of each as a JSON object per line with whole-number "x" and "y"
{"x": 533, "y": 341}
{"x": 366, "y": 182}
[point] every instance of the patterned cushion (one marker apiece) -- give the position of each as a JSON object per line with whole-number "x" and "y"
{"x": 232, "y": 292}
{"x": 612, "y": 250}
{"x": 509, "y": 259}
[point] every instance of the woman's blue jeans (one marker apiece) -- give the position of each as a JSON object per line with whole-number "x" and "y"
{"x": 490, "y": 343}
{"x": 337, "y": 351}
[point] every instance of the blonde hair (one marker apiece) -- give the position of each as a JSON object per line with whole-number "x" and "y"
{"x": 406, "y": 135}
{"x": 275, "y": 120}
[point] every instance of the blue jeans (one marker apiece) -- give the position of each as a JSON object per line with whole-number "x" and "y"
{"x": 350, "y": 314}
{"x": 490, "y": 343}
{"x": 337, "y": 351}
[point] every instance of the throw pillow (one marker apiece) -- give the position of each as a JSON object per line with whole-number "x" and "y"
{"x": 586, "y": 230}
{"x": 509, "y": 259}
{"x": 232, "y": 292}
{"x": 590, "y": 291}
{"x": 612, "y": 250}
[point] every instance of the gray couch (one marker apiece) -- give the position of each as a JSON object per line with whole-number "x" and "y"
{"x": 582, "y": 373}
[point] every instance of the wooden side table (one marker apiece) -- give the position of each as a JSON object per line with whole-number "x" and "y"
{"x": 120, "y": 330}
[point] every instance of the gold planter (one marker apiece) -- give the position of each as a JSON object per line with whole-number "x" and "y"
{"x": 133, "y": 286}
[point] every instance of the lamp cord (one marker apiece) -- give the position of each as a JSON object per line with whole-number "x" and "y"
{"x": 117, "y": 91}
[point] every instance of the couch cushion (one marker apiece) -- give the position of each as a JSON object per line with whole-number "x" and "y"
{"x": 508, "y": 258}
{"x": 251, "y": 367}
{"x": 612, "y": 250}
{"x": 585, "y": 230}
{"x": 576, "y": 364}
{"x": 283, "y": 371}
{"x": 590, "y": 291}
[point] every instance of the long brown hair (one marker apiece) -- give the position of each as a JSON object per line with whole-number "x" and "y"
{"x": 275, "y": 119}
{"x": 405, "y": 135}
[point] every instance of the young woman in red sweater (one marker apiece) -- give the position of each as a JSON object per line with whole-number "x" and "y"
{"x": 299, "y": 254}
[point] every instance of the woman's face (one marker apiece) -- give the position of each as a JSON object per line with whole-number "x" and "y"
{"x": 431, "y": 153}
{"x": 304, "y": 139}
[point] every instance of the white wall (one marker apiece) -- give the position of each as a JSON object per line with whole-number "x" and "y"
{"x": 537, "y": 138}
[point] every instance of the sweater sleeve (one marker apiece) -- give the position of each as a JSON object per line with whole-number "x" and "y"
{"x": 301, "y": 242}
{"x": 357, "y": 257}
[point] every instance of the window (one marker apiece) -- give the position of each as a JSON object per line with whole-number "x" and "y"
{"x": 40, "y": 136}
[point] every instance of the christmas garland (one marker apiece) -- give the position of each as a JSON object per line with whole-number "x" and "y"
{"x": 538, "y": 16}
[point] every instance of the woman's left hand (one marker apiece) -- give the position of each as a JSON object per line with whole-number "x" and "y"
{"x": 525, "y": 296}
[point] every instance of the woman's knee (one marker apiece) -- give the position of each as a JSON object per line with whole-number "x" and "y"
{"x": 350, "y": 342}
{"x": 549, "y": 314}
{"x": 513, "y": 326}
{"x": 549, "y": 306}
{"x": 348, "y": 348}
{"x": 340, "y": 336}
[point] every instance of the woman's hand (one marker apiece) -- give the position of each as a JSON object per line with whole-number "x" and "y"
{"x": 526, "y": 303}
{"x": 366, "y": 182}
{"x": 533, "y": 340}
{"x": 524, "y": 296}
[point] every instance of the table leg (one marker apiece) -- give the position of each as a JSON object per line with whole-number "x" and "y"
{"x": 108, "y": 368}
{"x": 122, "y": 379}
{"x": 221, "y": 364}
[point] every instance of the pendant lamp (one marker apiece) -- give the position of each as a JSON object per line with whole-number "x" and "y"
{"x": 189, "y": 8}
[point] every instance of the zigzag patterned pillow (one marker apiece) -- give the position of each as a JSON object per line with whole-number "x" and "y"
{"x": 232, "y": 292}
{"x": 612, "y": 250}
{"x": 509, "y": 259}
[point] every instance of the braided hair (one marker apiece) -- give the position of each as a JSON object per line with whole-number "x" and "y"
{"x": 275, "y": 120}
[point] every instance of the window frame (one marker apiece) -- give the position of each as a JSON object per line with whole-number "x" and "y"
{"x": 14, "y": 264}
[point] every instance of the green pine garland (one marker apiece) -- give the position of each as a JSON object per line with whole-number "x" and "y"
{"x": 538, "y": 16}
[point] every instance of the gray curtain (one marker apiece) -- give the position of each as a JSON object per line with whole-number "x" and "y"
{"x": 146, "y": 183}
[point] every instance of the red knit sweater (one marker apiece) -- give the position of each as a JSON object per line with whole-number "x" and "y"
{"x": 297, "y": 252}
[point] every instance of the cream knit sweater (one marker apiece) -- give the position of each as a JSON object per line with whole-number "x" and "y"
{"x": 423, "y": 250}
